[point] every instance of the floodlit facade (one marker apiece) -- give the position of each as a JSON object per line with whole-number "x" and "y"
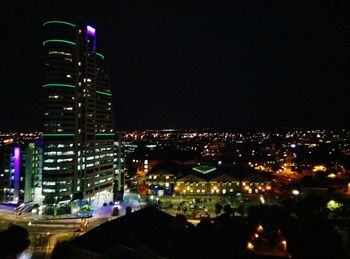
{"x": 205, "y": 180}
{"x": 33, "y": 172}
{"x": 20, "y": 172}
{"x": 12, "y": 173}
{"x": 78, "y": 129}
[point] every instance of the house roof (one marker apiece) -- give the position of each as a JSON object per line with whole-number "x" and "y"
{"x": 224, "y": 178}
{"x": 193, "y": 177}
{"x": 204, "y": 169}
{"x": 243, "y": 173}
{"x": 140, "y": 228}
{"x": 169, "y": 167}
{"x": 238, "y": 172}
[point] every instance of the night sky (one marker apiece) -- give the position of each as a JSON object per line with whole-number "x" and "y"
{"x": 228, "y": 65}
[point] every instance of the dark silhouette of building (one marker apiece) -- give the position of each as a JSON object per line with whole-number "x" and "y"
{"x": 147, "y": 233}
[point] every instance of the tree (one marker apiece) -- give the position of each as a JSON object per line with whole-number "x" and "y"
{"x": 310, "y": 206}
{"x": 181, "y": 219}
{"x": 204, "y": 242}
{"x": 228, "y": 209}
{"x": 78, "y": 196}
{"x": 60, "y": 250}
{"x": 272, "y": 216}
{"x": 241, "y": 210}
{"x": 115, "y": 211}
{"x": 128, "y": 210}
{"x": 16, "y": 239}
{"x": 317, "y": 237}
{"x": 308, "y": 181}
{"x": 85, "y": 209}
{"x": 49, "y": 199}
{"x": 231, "y": 234}
{"x": 205, "y": 228}
{"x": 218, "y": 208}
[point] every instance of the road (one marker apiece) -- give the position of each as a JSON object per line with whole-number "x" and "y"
{"x": 44, "y": 232}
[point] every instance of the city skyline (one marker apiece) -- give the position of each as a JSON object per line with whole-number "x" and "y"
{"x": 235, "y": 66}
{"x": 220, "y": 126}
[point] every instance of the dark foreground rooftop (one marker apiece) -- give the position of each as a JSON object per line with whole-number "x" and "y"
{"x": 151, "y": 233}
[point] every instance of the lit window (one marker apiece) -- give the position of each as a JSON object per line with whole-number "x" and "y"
{"x": 60, "y": 53}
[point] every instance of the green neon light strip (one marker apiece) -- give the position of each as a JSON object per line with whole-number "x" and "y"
{"x": 99, "y": 92}
{"x": 61, "y": 22}
{"x": 64, "y": 85}
{"x": 58, "y": 135}
{"x": 99, "y": 54}
{"x": 57, "y": 40}
{"x": 104, "y": 134}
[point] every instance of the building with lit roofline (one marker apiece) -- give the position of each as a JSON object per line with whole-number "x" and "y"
{"x": 78, "y": 129}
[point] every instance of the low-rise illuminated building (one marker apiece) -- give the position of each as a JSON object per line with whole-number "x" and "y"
{"x": 224, "y": 184}
{"x": 160, "y": 183}
{"x": 191, "y": 184}
{"x": 187, "y": 181}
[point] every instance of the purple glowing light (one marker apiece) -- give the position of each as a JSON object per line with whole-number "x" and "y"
{"x": 90, "y": 30}
{"x": 16, "y": 176}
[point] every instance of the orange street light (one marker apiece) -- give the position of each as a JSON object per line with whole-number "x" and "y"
{"x": 250, "y": 246}
{"x": 284, "y": 243}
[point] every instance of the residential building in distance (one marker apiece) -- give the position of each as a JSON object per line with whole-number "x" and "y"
{"x": 78, "y": 133}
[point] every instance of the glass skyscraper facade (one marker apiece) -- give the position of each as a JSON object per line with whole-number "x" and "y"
{"x": 78, "y": 132}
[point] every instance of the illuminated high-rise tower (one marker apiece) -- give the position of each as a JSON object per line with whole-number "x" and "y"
{"x": 78, "y": 116}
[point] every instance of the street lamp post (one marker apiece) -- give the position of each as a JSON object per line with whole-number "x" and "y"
{"x": 284, "y": 243}
{"x": 48, "y": 245}
{"x": 55, "y": 206}
{"x": 71, "y": 202}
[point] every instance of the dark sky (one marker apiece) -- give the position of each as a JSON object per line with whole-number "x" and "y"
{"x": 221, "y": 65}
